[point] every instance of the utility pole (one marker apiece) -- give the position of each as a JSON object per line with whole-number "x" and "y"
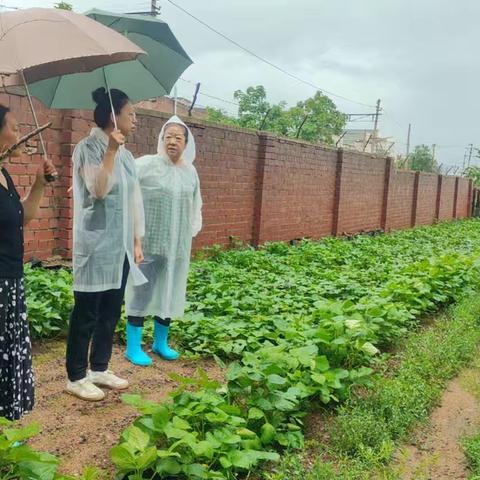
{"x": 470, "y": 155}
{"x": 154, "y": 10}
{"x": 408, "y": 139}
{"x": 434, "y": 146}
{"x": 375, "y": 126}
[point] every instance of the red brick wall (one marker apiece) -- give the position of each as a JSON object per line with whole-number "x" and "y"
{"x": 362, "y": 190}
{"x": 50, "y": 233}
{"x": 427, "y": 197}
{"x": 255, "y": 186}
{"x": 298, "y": 191}
{"x": 401, "y": 200}
{"x": 447, "y": 198}
{"x": 464, "y": 201}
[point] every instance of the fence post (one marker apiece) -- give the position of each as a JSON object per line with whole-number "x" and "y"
{"x": 338, "y": 192}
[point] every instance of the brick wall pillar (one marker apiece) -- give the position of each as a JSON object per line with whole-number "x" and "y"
{"x": 439, "y": 197}
{"x": 389, "y": 171}
{"x": 337, "y": 193}
{"x": 415, "y": 199}
{"x": 455, "y": 198}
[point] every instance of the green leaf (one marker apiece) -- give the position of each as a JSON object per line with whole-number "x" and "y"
{"x": 123, "y": 458}
{"x": 369, "y": 348}
{"x": 268, "y": 433}
{"x": 255, "y": 414}
{"x": 137, "y": 438}
{"x": 167, "y": 453}
{"x": 147, "y": 459}
{"x": 305, "y": 355}
{"x": 21, "y": 434}
{"x": 203, "y": 449}
{"x": 318, "y": 378}
{"x": 180, "y": 423}
{"x": 276, "y": 379}
{"x": 43, "y": 469}
{"x": 195, "y": 470}
{"x": 322, "y": 363}
{"x": 171, "y": 432}
{"x": 225, "y": 462}
{"x": 160, "y": 418}
{"x": 168, "y": 466}
{"x": 246, "y": 433}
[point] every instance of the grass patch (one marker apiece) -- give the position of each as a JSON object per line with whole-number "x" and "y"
{"x": 367, "y": 430}
{"x": 471, "y": 447}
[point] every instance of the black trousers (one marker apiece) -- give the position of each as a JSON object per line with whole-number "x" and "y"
{"x": 93, "y": 320}
{"x": 139, "y": 321}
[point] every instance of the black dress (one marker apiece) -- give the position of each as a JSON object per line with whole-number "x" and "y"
{"x": 16, "y": 375}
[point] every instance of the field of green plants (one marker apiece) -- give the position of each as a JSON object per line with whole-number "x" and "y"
{"x": 294, "y": 327}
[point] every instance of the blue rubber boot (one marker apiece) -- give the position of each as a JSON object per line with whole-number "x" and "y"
{"x": 134, "y": 351}
{"x": 160, "y": 342}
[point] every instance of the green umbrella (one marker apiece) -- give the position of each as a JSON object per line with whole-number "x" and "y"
{"x": 148, "y": 76}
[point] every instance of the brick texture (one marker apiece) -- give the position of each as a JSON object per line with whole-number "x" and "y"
{"x": 427, "y": 197}
{"x": 401, "y": 200}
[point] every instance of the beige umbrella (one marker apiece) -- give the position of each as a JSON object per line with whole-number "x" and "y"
{"x": 40, "y": 43}
{"x": 43, "y": 43}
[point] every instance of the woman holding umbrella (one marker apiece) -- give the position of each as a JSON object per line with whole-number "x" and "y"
{"x": 16, "y": 376}
{"x": 171, "y": 194}
{"x": 108, "y": 226}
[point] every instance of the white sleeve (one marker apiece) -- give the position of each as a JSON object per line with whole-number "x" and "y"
{"x": 138, "y": 211}
{"x": 88, "y": 159}
{"x": 197, "y": 208}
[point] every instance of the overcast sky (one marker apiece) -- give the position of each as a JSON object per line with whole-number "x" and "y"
{"x": 420, "y": 57}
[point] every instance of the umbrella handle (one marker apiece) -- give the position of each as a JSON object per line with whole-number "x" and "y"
{"x": 48, "y": 178}
{"x": 114, "y": 117}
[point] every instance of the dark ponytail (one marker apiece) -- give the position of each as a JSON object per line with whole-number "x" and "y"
{"x": 103, "y": 109}
{"x": 3, "y": 113}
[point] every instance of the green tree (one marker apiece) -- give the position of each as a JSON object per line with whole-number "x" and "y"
{"x": 254, "y": 108}
{"x": 473, "y": 173}
{"x": 218, "y": 115}
{"x": 64, "y": 6}
{"x": 422, "y": 159}
{"x": 315, "y": 119}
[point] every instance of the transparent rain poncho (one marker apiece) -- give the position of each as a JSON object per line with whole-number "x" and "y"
{"x": 172, "y": 202}
{"x": 107, "y": 215}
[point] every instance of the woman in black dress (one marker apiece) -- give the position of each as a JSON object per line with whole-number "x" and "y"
{"x": 16, "y": 376}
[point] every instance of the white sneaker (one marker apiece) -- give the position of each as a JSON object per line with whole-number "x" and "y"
{"x": 85, "y": 390}
{"x": 107, "y": 379}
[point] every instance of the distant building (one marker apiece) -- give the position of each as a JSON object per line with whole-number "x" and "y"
{"x": 364, "y": 140}
{"x": 167, "y": 105}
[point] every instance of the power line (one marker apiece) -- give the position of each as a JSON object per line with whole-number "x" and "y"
{"x": 209, "y": 95}
{"x": 264, "y": 60}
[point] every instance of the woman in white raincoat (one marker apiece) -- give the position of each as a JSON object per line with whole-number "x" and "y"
{"x": 172, "y": 201}
{"x": 108, "y": 224}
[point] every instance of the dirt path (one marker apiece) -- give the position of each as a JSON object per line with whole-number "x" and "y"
{"x": 437, "y": 453}
{"x": 82, "y": 433}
